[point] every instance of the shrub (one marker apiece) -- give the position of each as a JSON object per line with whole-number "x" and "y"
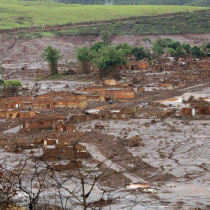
{"x": 12, "y": 83}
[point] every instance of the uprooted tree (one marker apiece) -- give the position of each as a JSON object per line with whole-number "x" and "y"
{"x": 52, "y": 55}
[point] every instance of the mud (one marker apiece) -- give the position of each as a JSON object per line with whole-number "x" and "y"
{"x": 29, "y": 51}
{"x": 165, "y": 152}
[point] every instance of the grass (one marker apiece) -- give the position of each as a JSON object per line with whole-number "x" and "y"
{"x": 182, "y": 23}
{"x": 21, "y": 14}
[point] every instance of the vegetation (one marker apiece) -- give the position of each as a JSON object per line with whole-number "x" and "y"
{"x": 139, "y": 53}
{"x": 52, "y": 55}
{"x": 11, "y": 87}
{"x": 197, "y": 52}
{"x": 125, "y": 48}
{"x": 206, "y": 47}
{"x": 1, "y": 82}
{"x": 159, "y": 45}
{"x": 85, "y": 55}
{"x": 108, "y": 60}
{"x": 141, "y": 2}
{"x": 12, "y": 83}
{"x": 187, "y": 47}
{"x": 97, "y": 46}
{"x": 105, "y": 36}
{"x": 173, "y": 24}
{"x": 175, "y": 49}
{"x": 19, "y": 14}
{"x": 1, "y": 71}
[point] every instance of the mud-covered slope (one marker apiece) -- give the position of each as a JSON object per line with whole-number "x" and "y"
{"x": 30, "y": 50}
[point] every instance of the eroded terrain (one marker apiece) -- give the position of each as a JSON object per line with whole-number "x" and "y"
{"x": 150, "y": 144}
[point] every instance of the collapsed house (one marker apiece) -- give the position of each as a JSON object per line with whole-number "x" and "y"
{"x": 196, "y": 110}
{"x": 118, "y": 91}
{"x": 137, "y": 65}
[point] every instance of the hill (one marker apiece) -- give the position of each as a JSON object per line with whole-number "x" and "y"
{"x": 21, "y": 14}
{"x": 200, "y": 3}
{"x": 179, "y": 23}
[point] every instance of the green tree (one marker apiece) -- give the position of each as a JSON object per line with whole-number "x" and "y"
{"x": 85, "y": 56}
{"x": 174, "y": 45}
{"x": 2, "y": 71}
{"x": 139, "y": 53}
{"x": 197, "y": 52}
{"x": 187, "y": 47}
{"x": 178, "y": 52}
{"x": 148, "y": 54}
{"x": 97, "y": 46}
{"x": 171, "y": 52}
{"x": 105, "y": 36}
{"x": 158, "y": 47}
{"x": 206, "y": 47}
{"x": 125, "y": 48}
{"x": 52, "y": 55}
{"x": 109, "y": 60}
{"x": 11, "y": 87}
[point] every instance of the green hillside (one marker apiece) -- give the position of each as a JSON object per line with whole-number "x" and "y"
{"x": 17, "y": 13}
{"x": 178, "y": 23}
{"x": 199, "y": 3}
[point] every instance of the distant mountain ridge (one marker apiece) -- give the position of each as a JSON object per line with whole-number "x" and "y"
{"x": 199, "y": 3}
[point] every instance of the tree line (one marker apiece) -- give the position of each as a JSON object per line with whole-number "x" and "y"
{"x": 108, "y": 58}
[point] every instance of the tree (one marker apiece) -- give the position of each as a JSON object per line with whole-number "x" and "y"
{"x": 11, "y": 87}
{"x": 2, "y": 71}
{"x": 8, "y": 186}
{"x": 158, "y": 49}
{"x": 1, "y": 82}
{"x": 85, "y": 56}
{"x": 108, "y": 60}
{"x": 52, "y": 55}
{"x": 27, "y": 180}
{"x": 139, "y": 53}
{"x": 97, "y": 46}
{"x": 105, "y": 36}
{"x": 206, "y": 47}
{"x": 174, "y": 45}
{"x": 187, "y": 47}
{"x": 197, "y": 52}
{"x": 125, "y": 48}
{"x": 177, "y": 52}
{"x": 159, "y": 45}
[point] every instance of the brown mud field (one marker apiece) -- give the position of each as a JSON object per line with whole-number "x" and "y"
{"x": 167, "y": 153}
